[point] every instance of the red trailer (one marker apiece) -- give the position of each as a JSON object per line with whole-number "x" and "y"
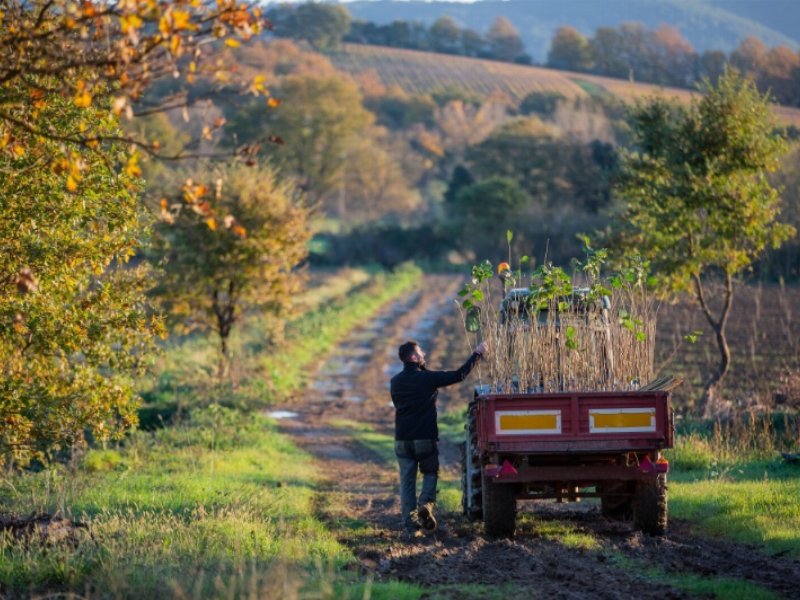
{"x": 566, "y": 446}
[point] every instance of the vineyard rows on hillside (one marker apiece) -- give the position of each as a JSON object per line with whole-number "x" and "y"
{"x": 424, "y": 72}
{"x": 417, "y": 72}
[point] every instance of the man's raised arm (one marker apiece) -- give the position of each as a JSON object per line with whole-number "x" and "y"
{"x": 445, "y": 378}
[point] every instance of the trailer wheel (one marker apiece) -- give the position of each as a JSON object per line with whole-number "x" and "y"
{"x": 616, "y": 499}
{"x": 471, "y": 483}
{"x": 650, "y": 505}
{"x": 499, "y": 508}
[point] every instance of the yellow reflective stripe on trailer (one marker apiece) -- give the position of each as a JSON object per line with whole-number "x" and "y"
{"x": 622, "y": 420}
{"x": 518, "y": 422}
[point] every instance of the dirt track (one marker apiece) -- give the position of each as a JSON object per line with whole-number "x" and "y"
{"x": 362, "y": 488}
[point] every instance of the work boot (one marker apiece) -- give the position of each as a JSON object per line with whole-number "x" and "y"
{"x": 410, "y": 534}
{"x": 426, "y": 518}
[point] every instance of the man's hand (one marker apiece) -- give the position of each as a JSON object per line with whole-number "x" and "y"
{"x": 482, "y": 348}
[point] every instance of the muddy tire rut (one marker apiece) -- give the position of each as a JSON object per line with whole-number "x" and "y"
{"x": 361, "y": 487}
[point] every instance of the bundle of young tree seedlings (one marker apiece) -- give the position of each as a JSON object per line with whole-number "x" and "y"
{"x": 550, "y": 331}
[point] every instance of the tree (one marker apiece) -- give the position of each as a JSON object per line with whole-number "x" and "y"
{"x": 445, "y": 36}
{"x": 749, "y": 56}
{"x": 608, "y": 53}
{"x": 373, "y": 183}
{"x": 712, "y": 65}
{"x": 215, "y": 269}
{"x": 485, "y": 210}
{"x": 472, "y": 43}
{"x": 460, "y": 179}
{"x": 318, "y": 117}
{"x": 321, "y": 25}
{"x": 569, "y": 50}
{"x": 780, "y": 65}
{"x": 504, "y": 41}
{"x": 74, "y": 323}
{"x": 698, "y": 202}
{"x": 541, "y": 103}
{"x": 670, "y": 57}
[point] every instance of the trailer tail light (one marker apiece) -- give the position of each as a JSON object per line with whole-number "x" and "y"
{"x": 506, "y": 468}
{"x": 622, "y": 420}
{"x": 646, "y": 465}
{"x": 662, "y": 465}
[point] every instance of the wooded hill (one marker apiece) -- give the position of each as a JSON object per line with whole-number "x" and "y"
{"x": 716, "y": 24}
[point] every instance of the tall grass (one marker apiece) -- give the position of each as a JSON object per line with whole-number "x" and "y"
{"x": 727, "y": 477}
{"x": 201, "y": 508}
{"x": 741, "y": 438}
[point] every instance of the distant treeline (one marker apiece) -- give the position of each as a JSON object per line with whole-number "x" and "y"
{"x": 325, "y": 26}
{"x": 501, "y": 42}
{"x": 663, "y": 56}
{"x": 632, "y": 51}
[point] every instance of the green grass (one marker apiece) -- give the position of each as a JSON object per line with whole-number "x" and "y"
{"x": 380, "y": 444}
{"x": 728, "y": 479}
{"x": 755, "y": 502}
{"x": 208, "y": 504}
{"x": 563, "y": 532}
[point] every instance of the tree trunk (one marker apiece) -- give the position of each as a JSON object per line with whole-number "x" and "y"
{"x": 225, "y": 312}
{"x": 223, "y": 358}
{"x": 710, "y": 398}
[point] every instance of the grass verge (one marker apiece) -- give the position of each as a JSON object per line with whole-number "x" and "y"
{"x": 202, "y": 509}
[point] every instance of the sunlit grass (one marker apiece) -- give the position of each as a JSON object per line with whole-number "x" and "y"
{"x": 756, "y": 503}
{"x": 214, "y": 497}
{"x": 564, "y": 532}
{"x": 329, "y": 285}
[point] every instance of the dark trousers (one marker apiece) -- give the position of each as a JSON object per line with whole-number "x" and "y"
{"x": 422, "y": 455}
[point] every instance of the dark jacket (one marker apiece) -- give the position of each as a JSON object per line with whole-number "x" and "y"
{"x": 414, "y": 391}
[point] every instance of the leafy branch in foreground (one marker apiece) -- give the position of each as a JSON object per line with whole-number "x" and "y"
{"x": 108, "y": 53}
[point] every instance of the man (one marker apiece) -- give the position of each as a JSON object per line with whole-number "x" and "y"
{"x": 414, "y": 391}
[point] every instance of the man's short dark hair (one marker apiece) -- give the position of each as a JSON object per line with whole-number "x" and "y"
{"x": 406, "y": 350}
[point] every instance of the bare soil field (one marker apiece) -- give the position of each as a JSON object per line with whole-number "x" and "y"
{"x": 764, "y": 337}
{"x": 560, "y": 551}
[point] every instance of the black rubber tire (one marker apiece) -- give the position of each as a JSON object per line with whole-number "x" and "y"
{"x": 650, "y": 505}
{"x": 499, "y": 508}
{"x": 469, "y": 458}
{"x": 616, "y": 500}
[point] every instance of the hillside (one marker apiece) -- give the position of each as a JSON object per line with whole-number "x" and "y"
{"x": 780, "y": 15}
{"x": 705, "y": 25}
{"x": 425, "y": 72}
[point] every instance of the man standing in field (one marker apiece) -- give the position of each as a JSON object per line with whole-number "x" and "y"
{"x": 414, "y": 391}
